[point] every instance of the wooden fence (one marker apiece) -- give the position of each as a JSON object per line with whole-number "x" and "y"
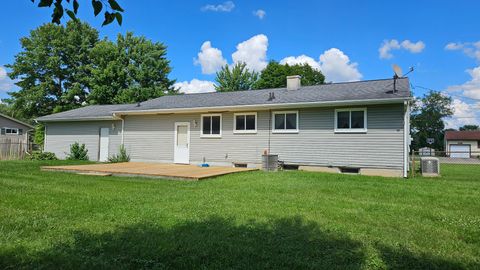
{"x": 13, "y": 148}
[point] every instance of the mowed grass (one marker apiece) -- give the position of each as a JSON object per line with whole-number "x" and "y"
{"x": 252, "y": 220}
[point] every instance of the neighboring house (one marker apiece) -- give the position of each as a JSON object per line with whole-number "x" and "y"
{"x": 357, "y": 126}
{"x": 11, "y": 128}
{"x": 462, "y": 144}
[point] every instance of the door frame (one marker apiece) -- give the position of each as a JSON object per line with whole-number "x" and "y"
{"x": 100, "y": 143}
{"x": 175, "y": 141}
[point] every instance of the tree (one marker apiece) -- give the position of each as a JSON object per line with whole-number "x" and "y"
{"x": 112, "y": 9}
{"x": 53, "y": 69}
{"x": 132, "y": 69}
{"x": 239, "y": 77}
{"x": 469, "y": 128}
{"x": 274, "y": 75}
{"x": 427, "y": 119}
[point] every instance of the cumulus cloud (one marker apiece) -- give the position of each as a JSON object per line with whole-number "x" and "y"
{"x": 464, "y": 114}
{"x": 260, "y": 13}
{"x": 209, "y": 58}
{"x": 334, "y": 64}
{"x": 224, "y": 7}
{"x": 471, "y": 49}
{"x": 471, "y": 88}
{"x": 6, "y": 83}
{"x": 253, "y": 52}
{"x": 393, "y": 44}
{"x": 195, "y": 86}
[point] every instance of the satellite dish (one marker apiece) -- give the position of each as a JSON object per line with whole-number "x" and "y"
{"x": 398, "y": 71}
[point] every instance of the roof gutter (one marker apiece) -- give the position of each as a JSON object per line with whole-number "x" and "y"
{"x": 265, "y": 106}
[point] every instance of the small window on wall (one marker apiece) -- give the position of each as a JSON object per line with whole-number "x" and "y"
{"x": 245, "y": 123}
{"x": 11, "y": 131}
{"x": 285, "y": 122}
{"x": 351, "y": 120}
{"x": 211, "y": 125}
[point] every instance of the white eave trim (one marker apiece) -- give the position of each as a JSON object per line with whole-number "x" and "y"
{"x": 263, "y": 107}
{"x": 108, "y": 118}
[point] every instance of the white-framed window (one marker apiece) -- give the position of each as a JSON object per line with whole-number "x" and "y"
{"x": 211, "y": 125}
{"x": 245, "y": 122}
{"x": 351, "y": 120}
{"x": 285, "y": 122}
{"x": 11, "y": 131}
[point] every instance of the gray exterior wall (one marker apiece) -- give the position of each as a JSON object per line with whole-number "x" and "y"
{"x": 7, "y": 123}
{"x": 60, "y": 135}
{"x": 151, "y": 138}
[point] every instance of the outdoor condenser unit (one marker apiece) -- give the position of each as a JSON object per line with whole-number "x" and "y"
{"x": 430, "y": 166}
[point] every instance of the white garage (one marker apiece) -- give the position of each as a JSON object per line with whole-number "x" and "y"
{"x": 460, "y": 151}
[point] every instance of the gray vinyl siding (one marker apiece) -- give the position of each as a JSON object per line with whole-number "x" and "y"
{"x": 60, "y": 135}
{"x": 7, "y": 123}
{"x": 317, "y": 144}
{"x": 152, "y": 138}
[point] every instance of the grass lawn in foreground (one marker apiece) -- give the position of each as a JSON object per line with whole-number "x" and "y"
{"x": 252, "y": 220}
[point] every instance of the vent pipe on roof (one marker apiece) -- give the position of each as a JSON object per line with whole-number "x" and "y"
{"x": 293, "y": 82}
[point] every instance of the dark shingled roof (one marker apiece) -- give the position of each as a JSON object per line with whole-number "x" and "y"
{"x": 333, "y": 92}
{"x": 462, "y": 135}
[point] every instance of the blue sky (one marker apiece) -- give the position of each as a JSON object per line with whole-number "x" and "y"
{"x": 341, "y": 38}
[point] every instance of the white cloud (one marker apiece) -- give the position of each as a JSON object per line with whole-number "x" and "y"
{"x": 224, "y": 7}
{"x": 195, "y": 86}
{"x": 260, "y": 13}
{"x": 209, "y": 58}
{"x": 464, "y": 114}
{"x": 253, "y": 52}
{"x": 6, "y": 83}
{"x": 301, "y": 59}
{"x": 471, "y": 88}
{"x": 471, "y": 49}
{"x": 334, "y": 64}
{"x": 393, "y": 44}
{"x": 413, "y": 47}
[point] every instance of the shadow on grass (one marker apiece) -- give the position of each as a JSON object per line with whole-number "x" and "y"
{"x": 214, "y": 243}
{"x": 401, "y": 258}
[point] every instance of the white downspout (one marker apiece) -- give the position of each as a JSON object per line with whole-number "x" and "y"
{"x": 406, "y": 138}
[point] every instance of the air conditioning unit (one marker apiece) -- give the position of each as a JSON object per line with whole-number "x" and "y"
{"x": 430, "y": 166}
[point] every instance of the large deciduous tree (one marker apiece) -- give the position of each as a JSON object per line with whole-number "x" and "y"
{"x": 427, "y": 119}
{"x": 274, "y": 75}
{"x": 65, "y": 67}
{"x": 53, "y": 69}
{"x": 132, "y": 69}
{"x": 239, "y": 77}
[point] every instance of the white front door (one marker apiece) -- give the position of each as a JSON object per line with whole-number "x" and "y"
{"x": 104, "y": 138}
{"x": 182, "y": 143}
{"x": 460, "y": 151}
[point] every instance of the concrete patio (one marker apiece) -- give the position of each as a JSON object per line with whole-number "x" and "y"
{"x": 160, "y": 170}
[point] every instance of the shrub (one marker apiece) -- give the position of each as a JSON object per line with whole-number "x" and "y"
{"x": 39, "y": 155}
{"x": 78, "y": 152}
{"x": 121, "y": 157}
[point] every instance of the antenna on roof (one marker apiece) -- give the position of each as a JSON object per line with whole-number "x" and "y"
{"x": 398, "y": 73}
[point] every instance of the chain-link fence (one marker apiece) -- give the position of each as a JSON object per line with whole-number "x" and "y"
{"x": 429, "y": 162}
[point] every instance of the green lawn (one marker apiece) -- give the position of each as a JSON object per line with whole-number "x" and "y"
{"x": 284, "y": 220}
